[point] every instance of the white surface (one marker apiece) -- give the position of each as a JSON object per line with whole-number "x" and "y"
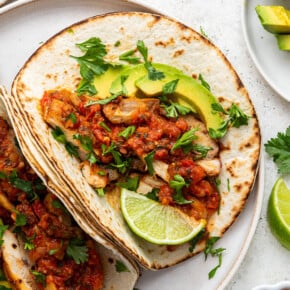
{"x": 273, "y": 63}
{"x": 221, "y": 20}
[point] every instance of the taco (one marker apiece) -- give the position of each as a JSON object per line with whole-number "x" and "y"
{"x": 114, "y": 99}
{"x": 42, "y": 247}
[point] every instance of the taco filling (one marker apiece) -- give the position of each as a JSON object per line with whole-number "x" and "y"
{"x": 132, "y": 143}
{"x": 60, "y": 255}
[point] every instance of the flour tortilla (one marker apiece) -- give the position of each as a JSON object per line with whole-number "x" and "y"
{"x": 169, "y": 42}
{"x": 108, "y": 252}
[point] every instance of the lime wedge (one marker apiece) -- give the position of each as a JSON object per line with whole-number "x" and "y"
{"x": 157, "y": 223}
{"x": 279, "y": 212}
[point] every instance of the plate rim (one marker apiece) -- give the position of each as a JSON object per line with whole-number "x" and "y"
{"x": 258, "y": 184}
{"x": 253, "y": 55}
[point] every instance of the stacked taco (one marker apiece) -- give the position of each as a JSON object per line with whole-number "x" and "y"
{"x": 42, "y": 246}
{"x": 128, "y": 104}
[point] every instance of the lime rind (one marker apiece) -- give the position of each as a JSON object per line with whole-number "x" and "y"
{"x": 157, "y": 223}
{"x": 279, "y": 212}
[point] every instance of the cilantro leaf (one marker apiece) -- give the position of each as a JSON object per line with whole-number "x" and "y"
{"x": 91, "y": 63}
{"x": 105, "y": 126}
{"x": 72, "y": 117}
{"x": 204, "y": 82}
{"x": 153, "y": 73}
{"x": 77, "y": 250}
{"x": 39, "y": 277}
{"x": 100, "y": 191}
{"x": 3, "y": 228}
{"x": 126, "y": 133}
{"x": 20, "y": 219}
{"x": 185, "y": 141}
{"x": 177, "y": 183}
{"x": 128, "y": 56}
{"x": 195, "y": 240}
{"x": 201, "y": 150}
{"x": 213, "y": 252}
{"x": 86, "y": 141}
{"x": 174, "y": 110}
{"x": 236, "y": 118}
{"x": 169, "y": 88}
{"x": 279, "y": 149}
{"x": 153, "y": 194}
{"x": 149, "y": 161}
{"x": 59, "y": 136}
{"x": 131, "y": 183}
{"x": 121, "y": 267}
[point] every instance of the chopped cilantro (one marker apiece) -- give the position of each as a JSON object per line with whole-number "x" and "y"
{"x": 131, "y": 183}
{"x": 105, "y": 126}
{"x": 77, "y": 250}
{"x": 100, "y": 191}
{"x": 54, "y": 251}
{"x": 121, "y": 267}
{"x": 126, "y": 133}
{"x": 236, "y": 118}
{"x": 28, "y": 245}
{"x": 39, "y": 277}
{"x": 128, "y": 56}
{"x": 213, "y": 252}
{"x": 117, "y": 43}
{"x": 3, "y": 175}
{"x": 149, "y": 161}
{"x": 195, "y": 240}
{"x": 153, "y": 194}
{"x": 3, "y": 228}
{"x": 153, "y": 73}
{"x": 86, "y": 141}
{"x": 57, "y": 204}
{"x": 201, "y": 150}
{"x": 59, "y": 136}
{"x": 20, "y": 219}
{"x": 185, "y": 141}
{"x": 177, "y": 183}
{"x": 204, "y": 82}
{"x": 202, "y": 32}
{"x": 72, "y": 117}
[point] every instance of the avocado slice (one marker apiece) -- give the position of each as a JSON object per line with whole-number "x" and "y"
{"x": 189, "y": 91}
{"x": 283, "y": 41}
{"x": 103, "y": 82}
{"x": 134, "y": 73}
{"x": 275, "y": 19}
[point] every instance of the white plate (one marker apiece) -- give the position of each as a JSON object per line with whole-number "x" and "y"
{"x": 273, "y": 64}
{"x": 22, "y": 30}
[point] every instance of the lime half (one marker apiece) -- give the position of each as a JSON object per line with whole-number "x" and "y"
{"x": 279, "y": 212}
{"x": 157, "y": 223}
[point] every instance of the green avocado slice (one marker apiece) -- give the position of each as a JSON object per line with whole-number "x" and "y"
{"x": 103, "y": 82}
{"x": 134, "y": 73}
{"x": 283, "y": 41}
{"x": 188, "y": 91}
{"x": 275, "y": 19}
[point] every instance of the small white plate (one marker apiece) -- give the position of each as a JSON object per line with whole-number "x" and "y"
{"x": 279, "y": 286}
{"x": 273, "y": 64}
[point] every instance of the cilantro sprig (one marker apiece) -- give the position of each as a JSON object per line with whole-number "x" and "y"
{"x": 236, "y": 118}
{"x": 172, "y": 109}
{"x": 214, "y": 252}
{"x": 77, "y": 250}
{"x": 177, "y": 183}
{"x": 153, "y": 73}
{"x": 185, "y": 141}
{"x": 279, "y": 149}
{"x": 59, "y": 136}
{"x": 91, "y": 63}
